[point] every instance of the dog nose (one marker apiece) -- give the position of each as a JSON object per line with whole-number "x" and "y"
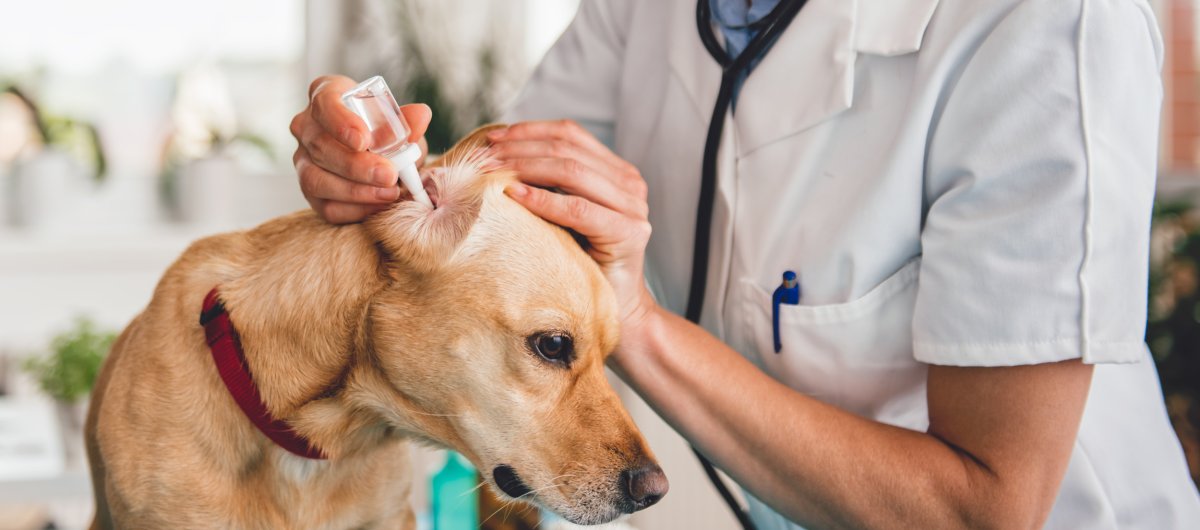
{"x": 643, "y": 486}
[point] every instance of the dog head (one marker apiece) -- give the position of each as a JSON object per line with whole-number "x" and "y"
{"x": 492, "y": 332}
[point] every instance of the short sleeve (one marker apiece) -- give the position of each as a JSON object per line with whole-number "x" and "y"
{"x": 1040, "y": 178}
{"x": 579, "y": 77}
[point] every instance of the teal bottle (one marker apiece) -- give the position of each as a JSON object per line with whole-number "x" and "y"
{"x": 453, "y": 496}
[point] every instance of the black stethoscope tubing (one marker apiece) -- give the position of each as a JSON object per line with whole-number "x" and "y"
{"x": 775, "y": 22}
{"x": 769, "y": 28}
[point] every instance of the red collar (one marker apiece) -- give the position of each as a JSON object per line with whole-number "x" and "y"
{"x": 231, "y": 363}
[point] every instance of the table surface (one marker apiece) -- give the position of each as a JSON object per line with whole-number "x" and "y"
{"x": 72, "y": 484}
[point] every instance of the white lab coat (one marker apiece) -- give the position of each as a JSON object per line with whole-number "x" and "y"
{"x": 958, "y": 183}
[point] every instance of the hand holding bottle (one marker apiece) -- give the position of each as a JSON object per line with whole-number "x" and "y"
{"x": 342, "y": 180}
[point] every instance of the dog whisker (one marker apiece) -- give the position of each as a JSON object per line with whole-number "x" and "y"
{"x": 512, "y": 503}
{"x": 472, "y": 490}
{"x": 502, "y": 506}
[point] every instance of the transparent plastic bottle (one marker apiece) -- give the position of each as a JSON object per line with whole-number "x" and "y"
{"x": 372, "y": 101}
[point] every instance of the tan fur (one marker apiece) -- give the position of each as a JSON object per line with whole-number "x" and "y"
{"x": 417, "y": 320}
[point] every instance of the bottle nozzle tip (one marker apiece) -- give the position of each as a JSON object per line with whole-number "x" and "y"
{"x": 411, "y": 179}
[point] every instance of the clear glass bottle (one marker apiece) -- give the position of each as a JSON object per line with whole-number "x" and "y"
{"x": 372, "y": 101}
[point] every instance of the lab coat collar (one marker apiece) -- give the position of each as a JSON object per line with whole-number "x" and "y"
{"x": 892, "y": 27}
{"x": 811, "y": 66}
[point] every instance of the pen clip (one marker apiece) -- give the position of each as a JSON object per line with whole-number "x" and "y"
{"x": 788, "y": 292}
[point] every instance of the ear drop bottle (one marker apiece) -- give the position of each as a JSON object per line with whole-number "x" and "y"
{"x": 372, "y": 101}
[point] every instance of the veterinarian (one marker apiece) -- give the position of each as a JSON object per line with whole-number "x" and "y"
{"x": 963, "y": 191}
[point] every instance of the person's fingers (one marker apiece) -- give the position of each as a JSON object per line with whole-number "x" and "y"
{"x": 343, "y": 212}
{"x": 566, "y": 131}
{"x": 317, "y": 183}
{"x": 576, "y": 178}
{"x": 518, "y": 149}
{"x": 418, "y": 116}
{"x": 552, "y": 129}
{"x": 600, "y": 225}
{"x": 299, "y": 124}
{"x": 360, "y": 166}
{"x": 325, "y": 97}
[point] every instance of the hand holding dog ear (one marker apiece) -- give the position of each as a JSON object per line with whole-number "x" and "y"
{"x": 604, "y": 200}
{"x": 343, "y": 181}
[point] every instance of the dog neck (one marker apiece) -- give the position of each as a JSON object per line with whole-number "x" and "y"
{"x": 365, "y": 409}
{"x": 301, "y": 311}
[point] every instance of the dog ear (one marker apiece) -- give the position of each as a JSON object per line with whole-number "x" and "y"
{"x": 423, "y": 239}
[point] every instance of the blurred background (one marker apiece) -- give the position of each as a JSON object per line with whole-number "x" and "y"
{"x": 129, "y": 128}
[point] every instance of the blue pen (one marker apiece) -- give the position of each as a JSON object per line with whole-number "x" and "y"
{"x": 788, "y": 292}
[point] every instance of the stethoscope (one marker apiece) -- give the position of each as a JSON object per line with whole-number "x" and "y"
{"x": 768, "y": 30}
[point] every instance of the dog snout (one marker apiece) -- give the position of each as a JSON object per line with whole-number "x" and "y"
{"x": 643, "y": 486}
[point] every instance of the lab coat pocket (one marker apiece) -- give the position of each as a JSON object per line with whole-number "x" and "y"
{"x": 856, "y": 355}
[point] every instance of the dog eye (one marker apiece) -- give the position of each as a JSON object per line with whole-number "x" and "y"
{"x": 553, "y": 346}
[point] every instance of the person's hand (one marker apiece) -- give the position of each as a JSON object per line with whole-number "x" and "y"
{"x": 604, "y": 200}
{"x": 343, "y": 181}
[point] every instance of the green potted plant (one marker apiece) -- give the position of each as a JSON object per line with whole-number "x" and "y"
{"x": 464, "y": 69}
{"x": 68, "y": 374}
{"x": 422, "y": 81}
{"x": 53, "y": 158}
{"x": 201, "y": 169}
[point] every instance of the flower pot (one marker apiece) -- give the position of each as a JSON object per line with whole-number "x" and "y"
{"x": 44, "y": 190}
{"x": 71, "y": 418}
{"x": 206, "y": 192}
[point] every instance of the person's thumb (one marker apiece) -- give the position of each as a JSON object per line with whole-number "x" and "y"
{"x": 418, "y": 116}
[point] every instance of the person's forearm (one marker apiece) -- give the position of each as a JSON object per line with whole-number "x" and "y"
{"x": 814, "y": 463}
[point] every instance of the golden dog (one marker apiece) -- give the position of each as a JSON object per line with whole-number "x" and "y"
{"x": 475, "y": 326}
